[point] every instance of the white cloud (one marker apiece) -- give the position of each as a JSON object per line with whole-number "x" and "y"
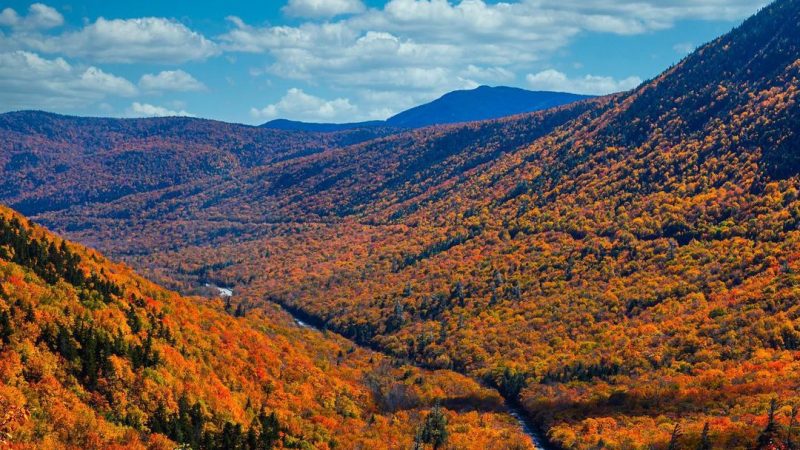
{"x": 323, "y": 8}
{"x": 427, "y": 47}
{"x": 28, "y": 80}
{"x": 487, "y": 74}
{"x": 39, "y": 17}
{"x": 655, "y": 14}
{"x": 382, "y": 59}
{"x": 96, "y": 78}
{"x": 147, "y": 110}
{"x": 297, "y": 105}
{"x": 683, "y": 48}
{"x": 9, "y": 17}
{"x": 148, "y": 40}
{"x": 553, "y": 80}
{"x": 170, "y": 80}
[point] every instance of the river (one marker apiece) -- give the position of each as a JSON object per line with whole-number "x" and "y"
{"x": 304, "y": 321}
{"x": 515, "y": 411}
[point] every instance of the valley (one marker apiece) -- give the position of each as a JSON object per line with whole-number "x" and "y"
{"x": 95, "y": 356}
{"x": 515, "y": 411}
{"x": 607, "y": 272}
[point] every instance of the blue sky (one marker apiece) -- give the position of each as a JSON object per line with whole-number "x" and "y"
{"x": 333, "y": 60}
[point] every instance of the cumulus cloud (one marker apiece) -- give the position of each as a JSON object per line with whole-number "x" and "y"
{"x": 8, "y": 17}
{"x": 297, "y": 105}
{"x": 170, "y": 80}
{"x": 553, "y": 80}
{"x": 502, "y": 28}
{"x": 407, "y": 32}
{"x": 147, "y": 110}
{"x": 430, "y": 46}
{"x": 322, "y": 8}
{"x": 39, "y": 17}
{"x": 487, "y": 74}
{"x": 382, "y": 59}
{"x": 148, "y": 40}
{"x": 28, "y": 80}
{"x": 652, "y": 14}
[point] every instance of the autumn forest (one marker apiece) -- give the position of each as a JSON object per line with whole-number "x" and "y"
{"x": 620, "y": 272}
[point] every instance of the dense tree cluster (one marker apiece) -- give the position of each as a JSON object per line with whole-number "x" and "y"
{"x": 187, "y": 426}
{"x": 630, "y": 270}
{"x": 113, "y": 361}
{"x": 625, "y": 268}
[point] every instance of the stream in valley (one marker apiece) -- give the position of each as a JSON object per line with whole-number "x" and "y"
{"x": 303, "y": 320}
{"x": 515, "y": 411}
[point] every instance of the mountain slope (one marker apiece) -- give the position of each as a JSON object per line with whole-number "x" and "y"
{"x": 319, "y": 188}
{"x": 95, "y": 357}
{"x": 628, "y": 270}
{"x": 46, "y": 157}
{"x": 631, "y": 270}
{"x": 481, "y": 103}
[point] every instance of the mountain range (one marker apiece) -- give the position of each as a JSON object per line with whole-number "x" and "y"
{"x": 481, "y": 103}
{"x": 624, "y": 268}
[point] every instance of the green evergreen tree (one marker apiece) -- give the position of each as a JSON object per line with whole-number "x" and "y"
{"x": 769, "y": 437}
{"x": 270, "y": 430}
{"x": 676, "y": 435}
{"x": 705, "y": 439}
{"x": 5, "y": 327}
{"x": 790, "y": 430}
{"x": 434, "y": 430}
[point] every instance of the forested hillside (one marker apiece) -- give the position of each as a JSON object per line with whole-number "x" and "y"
{"x": 321, "y": 188}
{"x": 47, "y": 158}
{"x": 93, "y": 356}
{"x": 626, "y": 267}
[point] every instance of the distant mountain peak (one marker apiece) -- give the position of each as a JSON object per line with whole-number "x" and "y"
{"x": 481, "y": 103}
{"x": 468, "y": 105}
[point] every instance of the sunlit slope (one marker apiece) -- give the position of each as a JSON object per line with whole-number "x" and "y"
{"x": 94, "y": 356}
{"x": 634, "y": 269}
{"x": 620, "y": 266}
